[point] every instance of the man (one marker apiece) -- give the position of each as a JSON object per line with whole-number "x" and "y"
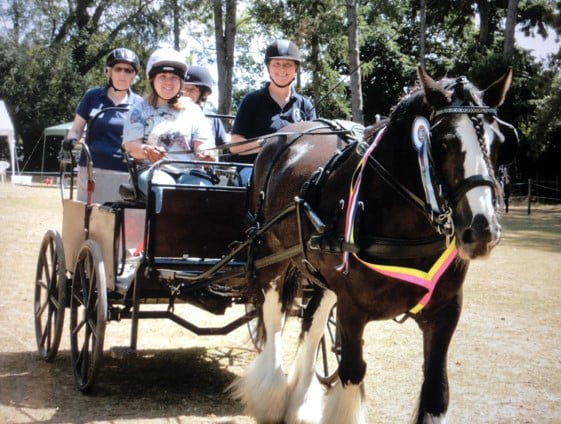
{"x": 272, "y": 107}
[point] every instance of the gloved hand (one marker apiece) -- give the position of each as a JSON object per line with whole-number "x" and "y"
{"x": 69, "y": 143}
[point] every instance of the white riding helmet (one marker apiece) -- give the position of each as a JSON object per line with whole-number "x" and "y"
{"x": 166, "y": 60}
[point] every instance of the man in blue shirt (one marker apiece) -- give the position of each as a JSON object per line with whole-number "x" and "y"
{"x": 272, "y": 107}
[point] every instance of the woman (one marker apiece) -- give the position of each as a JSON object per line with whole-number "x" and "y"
{"x": 164, "y": 124}
{"x": 105, "y": 135}
{"x": 272, "y": 107}
{"x": 198, "y": 86}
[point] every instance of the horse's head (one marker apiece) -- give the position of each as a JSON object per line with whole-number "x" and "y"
{"x": 468, "y": 143}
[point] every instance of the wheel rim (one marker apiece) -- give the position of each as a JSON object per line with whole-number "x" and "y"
{"x": 88, "y": 315}
{"x": 50, "y": 295}
{"x": 253, "y": 328}
{"x": 329, "y": 351}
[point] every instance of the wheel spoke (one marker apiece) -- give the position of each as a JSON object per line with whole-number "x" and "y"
{"x": 46, "y": 332}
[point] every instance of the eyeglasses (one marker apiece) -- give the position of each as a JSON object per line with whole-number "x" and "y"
{"x": 122, "y": 69}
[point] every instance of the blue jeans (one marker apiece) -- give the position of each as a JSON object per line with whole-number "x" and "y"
{"x": 162, "y": 177}
{"x": 245, "y": 175}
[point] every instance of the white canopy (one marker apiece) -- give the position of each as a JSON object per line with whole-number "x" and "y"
{"x": 7, "y": 130}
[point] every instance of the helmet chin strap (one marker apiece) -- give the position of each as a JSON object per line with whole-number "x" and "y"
{"x": 113, "y": 86}
{"x": 279, "y": 85}
{"x": 171, "y": 101}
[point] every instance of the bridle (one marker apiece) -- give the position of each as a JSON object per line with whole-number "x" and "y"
{"x": 438, "y": 204}
{"x": 475, "y": 114}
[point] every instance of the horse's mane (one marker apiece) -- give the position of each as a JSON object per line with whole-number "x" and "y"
{"x": 411, "y": 105}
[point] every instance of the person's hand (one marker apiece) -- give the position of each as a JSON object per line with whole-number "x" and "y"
{"x": 69, "y": 143}
{"x": 207, "y": 155}
{"x": 153, "y": 153}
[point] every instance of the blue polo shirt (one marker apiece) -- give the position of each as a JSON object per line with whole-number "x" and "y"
{"x": 105, "y": 135}
{"x": 258, "y": 115}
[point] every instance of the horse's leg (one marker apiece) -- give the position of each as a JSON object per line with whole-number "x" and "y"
{"x": 306, "y": 392}
{"x": 345, "y": 402}
{"x": 438, "y": 330}
{"x": 263, "y": 390}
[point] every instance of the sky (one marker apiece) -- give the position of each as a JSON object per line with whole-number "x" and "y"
{"x": 540, "y": 47}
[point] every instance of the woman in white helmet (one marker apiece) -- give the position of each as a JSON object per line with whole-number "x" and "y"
{"x": 165, "y": 124}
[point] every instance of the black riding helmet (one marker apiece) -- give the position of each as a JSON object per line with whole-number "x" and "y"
{"x": 283, "y": 49}
{"x": 199, "y": 75}
{"x": 122, "y": 55}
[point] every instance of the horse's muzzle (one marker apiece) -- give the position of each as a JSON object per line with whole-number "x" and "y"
{"x": 477, "y": 240}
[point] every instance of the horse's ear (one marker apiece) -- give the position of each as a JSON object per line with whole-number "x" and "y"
{"x": 494, "y": 95}
{"x": 435, "y": 95}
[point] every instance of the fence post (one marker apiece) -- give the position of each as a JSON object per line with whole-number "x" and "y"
{"x": 529, "y": 196}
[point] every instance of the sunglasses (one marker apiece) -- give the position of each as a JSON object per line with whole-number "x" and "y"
{"x": 123, "y": 69}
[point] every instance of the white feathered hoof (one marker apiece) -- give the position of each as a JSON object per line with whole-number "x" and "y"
{"x": 305, "y": 404}
{"x": 263, "y": 392}
{"x": 345, "y": 404}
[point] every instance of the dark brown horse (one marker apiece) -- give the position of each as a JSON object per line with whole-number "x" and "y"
{"x": 384, "y": 227}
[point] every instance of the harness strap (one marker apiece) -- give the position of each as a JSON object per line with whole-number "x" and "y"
{"x": 427, "y": 280}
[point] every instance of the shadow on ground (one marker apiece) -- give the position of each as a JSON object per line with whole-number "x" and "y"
{"x": 150, "y": 384}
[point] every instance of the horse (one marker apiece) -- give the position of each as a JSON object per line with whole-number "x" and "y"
{"x": 384, "y": 227}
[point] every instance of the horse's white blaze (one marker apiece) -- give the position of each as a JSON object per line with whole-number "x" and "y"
{"x": 434, "y": 419}
{"x": 304, "y": 405}
{"x": 345, "y": 405}
{"x": 264, "y": 389}
{"x": 480, "y": 198}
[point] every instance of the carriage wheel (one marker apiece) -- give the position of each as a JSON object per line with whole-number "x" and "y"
{"x": 88, "y": 315}
{"x": 50, "y": 295}
{"x": 329, "y": 351}
{"x": 253, "y": 328}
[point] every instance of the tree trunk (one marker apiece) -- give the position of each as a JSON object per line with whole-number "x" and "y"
{"x": 508, "y": 47}
{"x": 354, "y": 61}
{"x": 225, "y": 35}
{"x": 422, "y": 31}
{"x": 484, "y": 17}
{"x": 176, "y": 30}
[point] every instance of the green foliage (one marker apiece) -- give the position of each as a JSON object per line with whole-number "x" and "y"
{"x": 51, "y": 52}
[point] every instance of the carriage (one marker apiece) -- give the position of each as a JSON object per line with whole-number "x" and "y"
{"x": 337, "y": 229}
{"x": 111, "y": 259}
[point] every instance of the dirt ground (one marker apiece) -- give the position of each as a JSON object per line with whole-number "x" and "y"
{"x": 504, "y": 362}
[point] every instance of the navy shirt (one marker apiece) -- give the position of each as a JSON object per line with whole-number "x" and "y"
{"x": 258, "y": 115}
{"x": 105, "y": 135}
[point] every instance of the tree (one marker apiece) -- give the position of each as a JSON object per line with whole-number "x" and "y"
{"x": 225, "y": 35}
{"x": 51, "y": 52}
{"x": 354, "y": 62}
{"x": 510, "y": 25}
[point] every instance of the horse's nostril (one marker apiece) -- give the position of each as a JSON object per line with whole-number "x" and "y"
{"x": 479, "y": 231}
{"x": 468, "y": 236}
{"x": 480, "y": 223}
